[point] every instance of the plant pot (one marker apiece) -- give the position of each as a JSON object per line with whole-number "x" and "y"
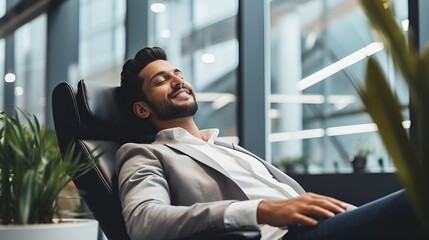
{"x": 67, "y": 229}
{"x": 358, "y": 163}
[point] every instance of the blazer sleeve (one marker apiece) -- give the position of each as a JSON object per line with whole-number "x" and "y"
{"x": 145, "y": 199}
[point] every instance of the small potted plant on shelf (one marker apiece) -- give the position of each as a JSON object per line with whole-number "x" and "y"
{"x": 359, "y": 160}
{"x": 32, "y": 175}
{"x": 293, "y": 164}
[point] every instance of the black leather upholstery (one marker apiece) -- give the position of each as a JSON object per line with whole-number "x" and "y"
{"x": 73, "y": 122}
{"x": 91, "y": 117}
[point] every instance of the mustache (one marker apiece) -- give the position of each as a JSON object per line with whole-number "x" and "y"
{"x": 175, "y": 89}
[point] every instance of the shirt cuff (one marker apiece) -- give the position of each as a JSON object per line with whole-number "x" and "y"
{"x": 241, "y": 214}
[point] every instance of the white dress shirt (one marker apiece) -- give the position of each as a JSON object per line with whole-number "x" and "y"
{"x": 247, "y": 172}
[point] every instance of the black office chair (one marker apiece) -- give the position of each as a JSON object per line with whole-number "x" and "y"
{"x": 90, "y": 117}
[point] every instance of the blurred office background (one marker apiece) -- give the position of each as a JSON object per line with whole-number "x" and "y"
{"x": 274, "y": 76}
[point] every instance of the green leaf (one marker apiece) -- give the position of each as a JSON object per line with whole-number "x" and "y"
{"x": 424, "y": 77}
{"x": 382, "y": 105}
{"x": 32, "y": 172}
{"x": 26, "y": 197}
{"x": 385, "y": 110}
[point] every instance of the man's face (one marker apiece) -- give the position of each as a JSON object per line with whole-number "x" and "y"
{"x": 169, "y": 96}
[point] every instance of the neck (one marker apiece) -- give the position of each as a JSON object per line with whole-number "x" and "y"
{"x": 186, "y": 123}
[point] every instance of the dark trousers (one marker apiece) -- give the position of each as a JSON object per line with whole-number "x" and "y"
{"x": 390, "y": 217}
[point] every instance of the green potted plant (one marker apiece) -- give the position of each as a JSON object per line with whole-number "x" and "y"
{"x": 360, "y": 158}
{"x": 293, "y": 164}
{"x": 383, "y": 106}
{"x": 32, "y": 175}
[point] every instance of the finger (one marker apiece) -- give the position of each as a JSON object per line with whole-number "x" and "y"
{"x": 329, "y": 205}
{"x": 324, "y": 203}
{"x": 306, "y": 220}
{"x": 337, "y": 202}
{"x": 317, "y": 211}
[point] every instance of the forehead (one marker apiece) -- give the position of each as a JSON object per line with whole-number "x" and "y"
{"x": 154, "y": 68}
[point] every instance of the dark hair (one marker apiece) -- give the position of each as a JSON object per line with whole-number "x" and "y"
{"x": 131, "y": 85}
{"x": 130, "y": 81}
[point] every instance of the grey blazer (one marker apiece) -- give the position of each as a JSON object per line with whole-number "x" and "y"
{"x": 170, "y": 191}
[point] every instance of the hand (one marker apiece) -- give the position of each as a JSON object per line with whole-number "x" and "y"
{"x": 280, "y": 213}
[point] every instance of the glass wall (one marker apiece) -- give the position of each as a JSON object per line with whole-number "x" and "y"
{"x": 200, "y": 38}
{"x": 30, "y": 67}
{"x": 2, "y": 57}
{"x": 318, "y": 48}
{"x": 101, "y": 39}
{"x": 2, "y": 72}
{"x": 317, "y": 120}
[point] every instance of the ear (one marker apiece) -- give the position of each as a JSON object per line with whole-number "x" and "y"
{"x": 141, "y": 109}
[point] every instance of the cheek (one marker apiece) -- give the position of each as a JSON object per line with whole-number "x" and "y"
{"x": 158, "y": 93}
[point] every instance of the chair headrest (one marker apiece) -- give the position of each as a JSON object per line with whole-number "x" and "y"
{"x": 102, "y": 117}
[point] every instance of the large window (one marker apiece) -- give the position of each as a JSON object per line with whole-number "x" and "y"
{"x": 2, "y": 72}
{"x": 2, "y": 57}
{"x": 101, "y": 39}
{"x": 200, "y": 38}
{"x": 318, "y": 48}
{"x": 30, "y": 67}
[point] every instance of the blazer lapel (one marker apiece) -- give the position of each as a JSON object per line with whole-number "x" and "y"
{"x": 279, "y": 175}
{"x": 206, "y": 159}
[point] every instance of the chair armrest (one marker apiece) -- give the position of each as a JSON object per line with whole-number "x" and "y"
{"x": 241, "y": 234}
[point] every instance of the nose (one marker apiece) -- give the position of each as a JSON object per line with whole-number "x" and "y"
{"x": 176, "y": 80}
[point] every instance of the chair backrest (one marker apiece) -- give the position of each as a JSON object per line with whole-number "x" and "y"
{"x": 90, "y": 116}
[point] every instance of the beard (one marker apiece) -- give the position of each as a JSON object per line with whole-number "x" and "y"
{"x": 167, "y": 110}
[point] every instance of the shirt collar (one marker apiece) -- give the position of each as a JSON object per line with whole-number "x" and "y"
{"x": 180, "y": 134}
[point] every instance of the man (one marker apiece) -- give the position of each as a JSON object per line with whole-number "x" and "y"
{"x": 186, "y": 182}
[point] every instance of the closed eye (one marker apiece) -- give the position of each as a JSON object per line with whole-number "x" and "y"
{"x": 159, "y": 80}
{"x": 161, "y": 77}
{"x": 178, "y": 73}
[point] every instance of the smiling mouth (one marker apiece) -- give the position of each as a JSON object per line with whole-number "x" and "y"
{"x": 183, "y": 90}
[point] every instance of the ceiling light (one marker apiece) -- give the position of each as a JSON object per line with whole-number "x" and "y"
{"x": 310, "y": 41}
{"x": 10, "y": 77}
{"x": 332, "y": 131}
{"x": 340, "y": 65}
{"x": 210, "y": 97}
{"x": 166, "y": 33}
{"x": 405, "y": 24}
{"x": 157, "y": 7}
{"x": 274, "y": 113}
{"x": 303, "y": 134}
{"x": 223, "y": 101}
{"x": 351, "y": 129}
{"x": 19, "y": 91}
{"x": 304, "y": 99}
{"x": 208, "y": 58}
{"x": 341, "y": 101}
{"x": 406, "y": 124}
